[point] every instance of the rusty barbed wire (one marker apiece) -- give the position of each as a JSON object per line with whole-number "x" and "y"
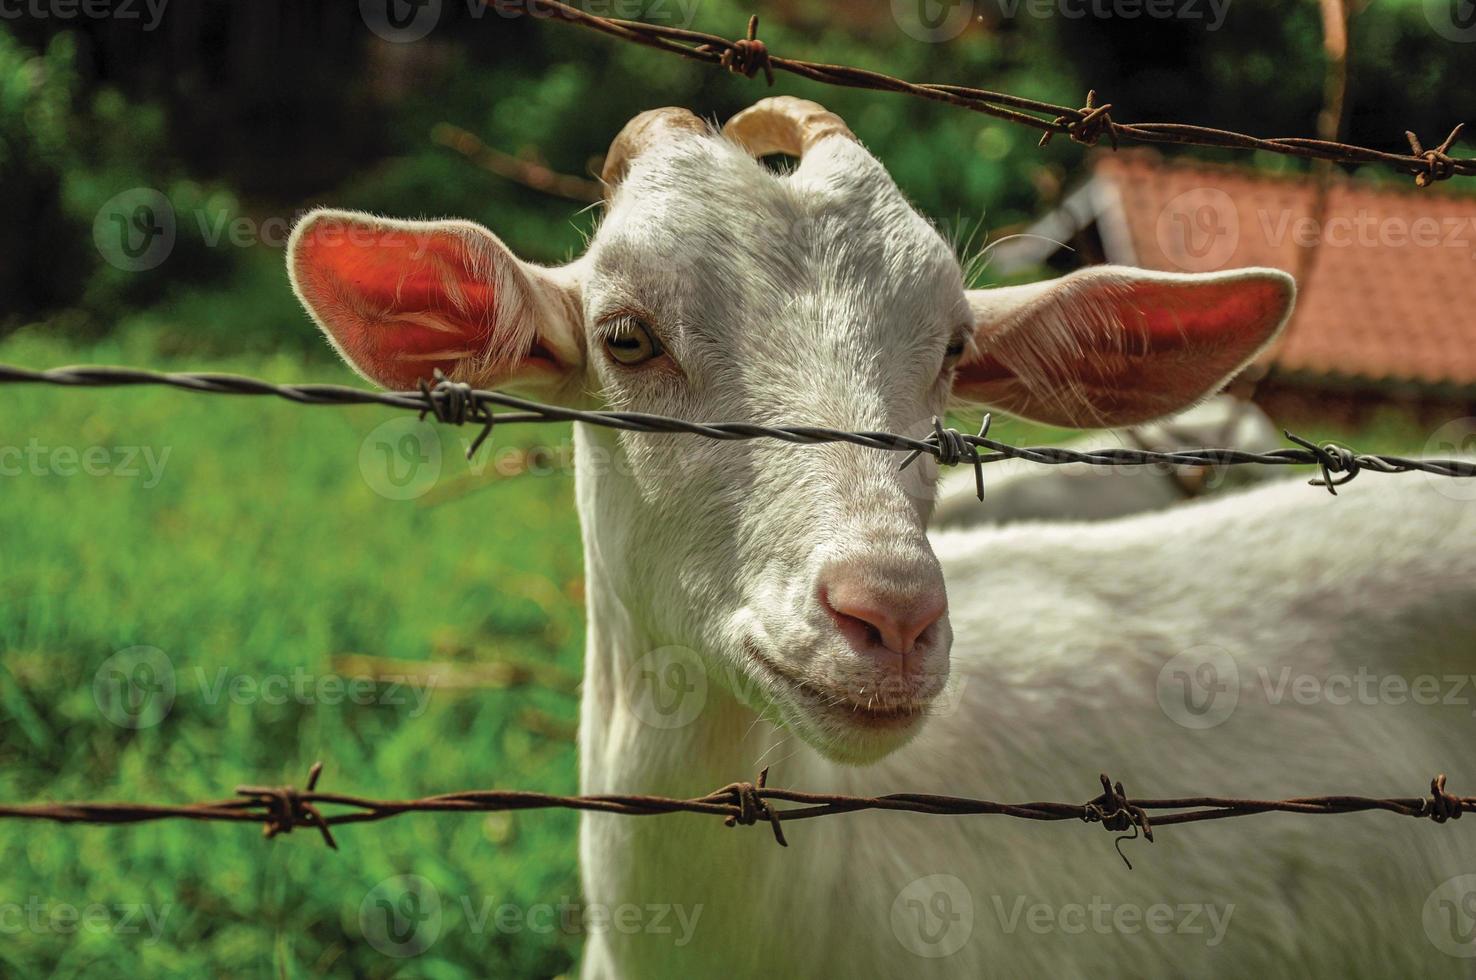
{"x": 1086, "y": 125}
{"x": 456, "y": 403}
{"x": 282, "y": 809}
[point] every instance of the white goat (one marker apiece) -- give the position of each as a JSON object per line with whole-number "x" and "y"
{"x": 801, "y": 586}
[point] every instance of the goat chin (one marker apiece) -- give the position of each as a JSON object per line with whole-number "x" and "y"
{"x": 1060, "y": 659}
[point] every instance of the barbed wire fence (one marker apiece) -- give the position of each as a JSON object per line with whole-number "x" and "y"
{"x": 281, "y": 809}
{"x": 1088, "y": 124}
{"x": 285, "y": 808}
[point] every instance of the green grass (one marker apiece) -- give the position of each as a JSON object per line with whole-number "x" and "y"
{"x": 261, "y": 550}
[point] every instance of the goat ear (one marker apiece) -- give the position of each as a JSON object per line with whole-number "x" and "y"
{"x": 1111, "y": 345}
{"x": 399, "y": 299}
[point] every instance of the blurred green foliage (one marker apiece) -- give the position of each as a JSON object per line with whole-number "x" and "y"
{"x": 246, "y": 551}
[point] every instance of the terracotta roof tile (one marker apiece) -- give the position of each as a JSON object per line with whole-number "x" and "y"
{"x": 1391, "y": 293}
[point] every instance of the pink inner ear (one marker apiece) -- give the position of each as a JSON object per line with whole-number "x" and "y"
{"x": 1130, "y": 351}
{"x": 400, "y": 303}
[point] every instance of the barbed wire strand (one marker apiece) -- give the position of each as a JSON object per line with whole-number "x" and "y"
{"x": 455, "y": 403}
{"x": 1086, "y": 125}
{"x": 281, "y": 809}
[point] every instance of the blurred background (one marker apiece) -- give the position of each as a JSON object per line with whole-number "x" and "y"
{"x": 182, "y": 582}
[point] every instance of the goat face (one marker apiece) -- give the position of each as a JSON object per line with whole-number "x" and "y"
{"x": 718, "y": 290}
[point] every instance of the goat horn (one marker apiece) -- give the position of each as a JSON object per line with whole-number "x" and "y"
{"x": 640, "y": 134}
{"x": 784, "y": 124}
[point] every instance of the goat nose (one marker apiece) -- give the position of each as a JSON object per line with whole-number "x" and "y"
{"x": 885, "y": 611}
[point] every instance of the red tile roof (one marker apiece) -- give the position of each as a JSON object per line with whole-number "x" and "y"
{"x": 1391, "y": 293}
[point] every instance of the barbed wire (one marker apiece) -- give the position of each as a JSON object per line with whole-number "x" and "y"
{"x": 455, "y": 403}
{"x": 281, "y": 809}
{"x": 1086, "y": 125}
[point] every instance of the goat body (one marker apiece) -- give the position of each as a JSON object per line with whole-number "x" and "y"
{"x": 1323, "y": 619}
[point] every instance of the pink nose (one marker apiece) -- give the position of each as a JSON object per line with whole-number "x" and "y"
{"x": 880, "y": 611}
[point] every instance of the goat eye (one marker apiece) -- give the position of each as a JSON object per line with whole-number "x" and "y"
{"x": 631, "y": 342}
{"x": 953, "y": 352}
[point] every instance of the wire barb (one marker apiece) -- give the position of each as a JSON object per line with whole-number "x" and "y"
{"x": 952, "y": 447}
{"x": 456, "y": 403}
{"x": 286, "y": 808}
{"x": 1114, "y": 811}
{"x": 752, "y": 807}
{"x": 746, "y": 56}
{"x": 1331, "y": 458}
{"x": 1439, "y": 165}
{"x": 1087, "y": 126}
{"x": 1442, "y": 806}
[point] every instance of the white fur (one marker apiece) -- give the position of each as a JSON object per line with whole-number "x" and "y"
{"x": 822, "y": 297}
{"x": 1062, "y": 631}
{"x": 1060, "y": 634}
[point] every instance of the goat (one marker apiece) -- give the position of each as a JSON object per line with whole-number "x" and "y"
{"x": 753, "y": 604}
{"x": 1020, "y": 490}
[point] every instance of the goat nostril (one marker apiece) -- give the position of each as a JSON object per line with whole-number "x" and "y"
{"x": 872, "y": 619}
